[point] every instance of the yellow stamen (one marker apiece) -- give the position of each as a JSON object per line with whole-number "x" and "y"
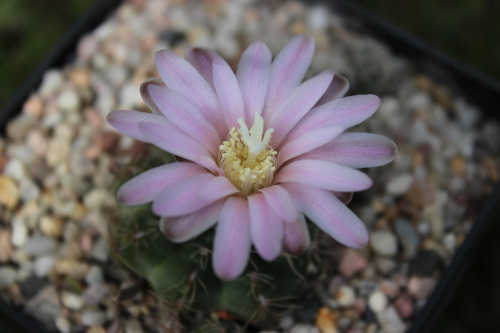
{"x": 247, "y": 158}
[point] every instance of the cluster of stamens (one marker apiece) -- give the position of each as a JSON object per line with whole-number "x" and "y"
{"x": 247, "y": 157}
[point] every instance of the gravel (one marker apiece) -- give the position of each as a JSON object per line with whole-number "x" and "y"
{"x": 57, "y": 162}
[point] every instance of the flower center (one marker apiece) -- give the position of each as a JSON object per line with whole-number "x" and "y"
{"x": 247, "y": 158}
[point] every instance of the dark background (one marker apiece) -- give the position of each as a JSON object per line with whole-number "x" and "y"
{"x": 467, "y": 30}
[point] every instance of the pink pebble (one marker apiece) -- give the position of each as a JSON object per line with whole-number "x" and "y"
{"x": 421, "y": 287}
{"x": 404, "y": 306}
{"x": 351, "y": 263}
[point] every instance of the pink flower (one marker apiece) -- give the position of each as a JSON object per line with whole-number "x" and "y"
{"x": 259, "y": 149}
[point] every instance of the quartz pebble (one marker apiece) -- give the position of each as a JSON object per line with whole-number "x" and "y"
{"x": 19, "y": 232}
{"x": 346, "y": 296}
{"x": 390, "y": 321}
{"x": 39, "y": 245}
{"x": 71, "y": 300}
{"x": 399, "y": 185}
{"x": 43, "y": 265}
{"x": 377, "y": 301}
{"x": 93, "y": 318}
{"x": 384, "y": 243}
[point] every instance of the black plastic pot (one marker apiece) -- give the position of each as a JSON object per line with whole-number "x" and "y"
{"x": 477, "y": 88}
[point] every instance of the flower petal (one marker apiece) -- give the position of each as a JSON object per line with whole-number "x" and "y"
{"x": 253, "y": 78}
{"x": 288, "y": 70}
{"x": 325, "y": 175}
{"x": 173, "y": 140}
{"x": 127, "y": 122}
{"x": 280, "y": 202}
{"x": 356, "y": 150}
{"x": 186, "y": 116}
{"x": 219, "y": 186}
{"x": 266, "y": 228}
{"x": 181, "y": 77}
{"x": 329, "y": 214}
{"x": 149, "y": 184}
{"x": 186, "y": 227}
{"x": 337, "y": 89}
{"x": 344, "y": 112}
{"x": 228, "y": 91}
{"x": 307, "y": 142}
{"x": 297, "y": 105}
{"x": 146, "y": 97}
{"x": 201, "y": 59}
{"x": 182, "y": 197}
{"x": 296, "y": 237}
{"x": 232, "y": 243}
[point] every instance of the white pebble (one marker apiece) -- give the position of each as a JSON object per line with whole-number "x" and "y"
{"x": 93, "y": 318}
{"x": 68, "y": 101}
{"x": 317, "y": 18}
{"x": 346, "y": 296}
{"x": 51, "y": 83}
{"x": 450, "y": 241}
{"x": 377, "y": 301}
{"x": 43, "y": 265}
{"x": 14, "y": 169}
{"x": 100, "y": 251}
{"x": 19, "y": 232}
{"x": 384, "y": 243}
{"x": 63, "y": 324}
{"x": 94, "y": 276}
{"x": 39, "y": 245}
{"x": 71, "y": 301}
{"x": 390, "y": 321}
{"x": 399, "y": 185}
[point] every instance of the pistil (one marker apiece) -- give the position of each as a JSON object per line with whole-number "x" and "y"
{"x": 247, "y": 157}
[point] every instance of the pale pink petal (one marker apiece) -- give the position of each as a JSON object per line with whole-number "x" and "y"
{"x": 219, "y": 186}
{"x": 184, "y": 228}
{"x": 228, "y": 91}
{"x": 296, "y": 237}
{"x": 288, "y": 70}
{"x": 325, "y": 175}
{"x": 344, "y": 112}
{"x": 232, "y": 241}
{"x": 337, "y": 89}
{"x": 296, "y": 106}
{"x": 149, "y": 184}
{"x": 127, "y": 122}
{"x": 356, "y": 150}
{"x": 201, "y": 59}
{"x": 183, "y": 78}
{"x": 280, "y": 202}
{"x": 329, "y": 214}
{"x": 186, "y": 116}
{"x": 182, "y": 197}
{"x": 307, "y": 142}
{"x": 173, "y": 140}
{"x": 144, "y": 90}
{"x": 253, "y": 77}
{"x": 266, "y": 228}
